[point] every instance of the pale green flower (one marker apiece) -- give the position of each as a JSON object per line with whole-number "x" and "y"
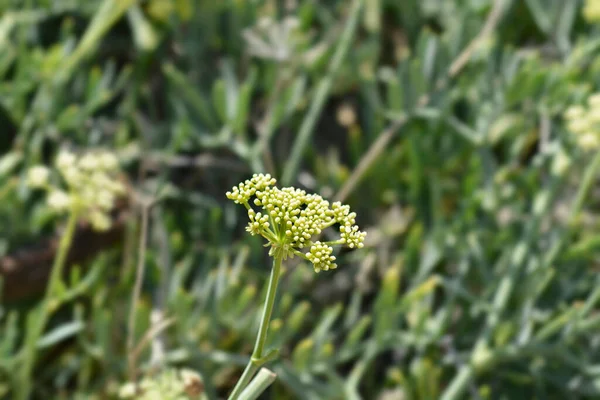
{"x": 59, "y": 200}
{"x": 65, "y": 160}
{"x": 99, "y": 220}
{"x": 560, "y": 163}
{"x": 90, "y": 185}
{"x": 584, "y": 123}
{"x": 127, "y": 391}
{"x": 290, "y": 219}
{"x": 170, "y": 384}
{"x": 89, "y": 162}
{"x": 591, "y": 11}
{"x": 320, "y": 256}
{"x": 37, "y": 176}
{"x": 594, "y": 100}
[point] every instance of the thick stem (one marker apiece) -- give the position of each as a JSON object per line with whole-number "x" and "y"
{"x": 257, "y": 354}
{"x": 263, "y": 380}
{"x": 38, "y": 319}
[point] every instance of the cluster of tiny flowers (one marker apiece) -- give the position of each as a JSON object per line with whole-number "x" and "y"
{"x": 91, "y": 185}
{"x": 591, "y": 11}
{"x": 275, "y": 40}
{"x": 320, "y": 256}
{"x": 299, "y": 215}
{"x": 584, "y": 122}
{"x": 348, "y": 228}
{"x": 291, "y": 218}
{"x": 242, "y": 193}
{"x": 170, "y": 385}
{"x": 258, "y": 222}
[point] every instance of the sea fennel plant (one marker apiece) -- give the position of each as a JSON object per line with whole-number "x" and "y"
{"x": 290, "y": 219}
{"x": 84, "y": 187}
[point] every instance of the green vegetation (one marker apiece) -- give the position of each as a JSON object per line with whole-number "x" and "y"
{"x": 464, "y": 134}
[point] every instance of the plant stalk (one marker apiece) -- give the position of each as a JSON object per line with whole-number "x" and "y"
{"x": 256, "y": 360}
{"x": 39, "y": 317}
{"x": 263, "y": 380}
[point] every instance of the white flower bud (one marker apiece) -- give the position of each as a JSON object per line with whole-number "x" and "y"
{"x": 108, "y": 161}
{"x": 38, "y": 176}
{"x": 59, "y": 200}
{"x": 65, "y": 160}
{"x": 99, "y": 221}
{"x": 89, "y": 162}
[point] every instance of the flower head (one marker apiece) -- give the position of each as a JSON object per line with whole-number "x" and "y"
{"x": 59, "y": 200}
{"x": 320, "y": 256}
{"x": 584, "y": 123}
{"x": 275, "y": 40}
{"x": 290, "y": 219}
{"x": 89, "y": 185}
{"x": 37, "y": 176}
{"x": 591, "y": 11}
{"x": 168, "y": 384}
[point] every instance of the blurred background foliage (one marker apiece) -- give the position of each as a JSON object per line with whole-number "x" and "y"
{"x": 439, "y": 122}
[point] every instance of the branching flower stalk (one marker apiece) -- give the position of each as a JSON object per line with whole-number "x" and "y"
{"x": 289, "y": 219}
{"x": 90, "y": 194}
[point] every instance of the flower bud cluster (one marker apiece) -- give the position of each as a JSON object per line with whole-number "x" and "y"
{"x": 348, "y": 228}
{"x": 291, "y": 218}
{"x": 258, "y": 222}
{"x": 298, "y": 215}
{"x": 591, "y": 11}
{"x": 584, "y": 122}
{"x": 320, "y": 256}
{"x": 171, "y": 384}
{"x": 244, "y": 191}
{"x": 91, "y": 185}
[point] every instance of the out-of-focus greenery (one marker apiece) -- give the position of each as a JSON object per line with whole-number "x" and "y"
{"x": 479, "y": 277}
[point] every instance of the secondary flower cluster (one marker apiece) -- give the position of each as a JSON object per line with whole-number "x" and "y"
{"x": 591, "y": 11}
{"x": 91, "y": 185}
{"x": 290, "y": 218}
{"x": 584, "y": 122}
{"x": 171, "y": 384}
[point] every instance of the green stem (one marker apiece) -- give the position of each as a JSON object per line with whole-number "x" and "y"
{"x": 256, "y": 360}
{"x": 263, "y": 380}
{"x": 38, "y": 319}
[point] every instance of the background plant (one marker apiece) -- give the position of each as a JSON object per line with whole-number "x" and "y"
{"x": 442, "y": 123}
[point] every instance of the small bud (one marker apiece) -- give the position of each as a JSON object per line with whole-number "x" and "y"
{"x": 65, "y": 160}
{"x": 37, "y": 176}
{"x": 59, "y": 201}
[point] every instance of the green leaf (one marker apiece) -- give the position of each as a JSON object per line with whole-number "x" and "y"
{"x": 60, "y": 333}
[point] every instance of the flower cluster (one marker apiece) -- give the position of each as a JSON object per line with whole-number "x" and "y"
{"x": 171, "y": 384}
{"x": 291, "y": 218}
{"x": 591, "y": 11}
{"x": 275, "y": 40}
{"x": 91, "y": 185}
{"x": 320, "y": 256}
{"x": 584, "y": 122}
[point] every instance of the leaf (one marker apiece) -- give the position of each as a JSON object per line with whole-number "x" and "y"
{"x": 243, "y": 103}
{"x": 9, "y": 162}
{"x": 60, "y": 333}
{"x": 219, "y": 100}
{"x": 187, "y": 90}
